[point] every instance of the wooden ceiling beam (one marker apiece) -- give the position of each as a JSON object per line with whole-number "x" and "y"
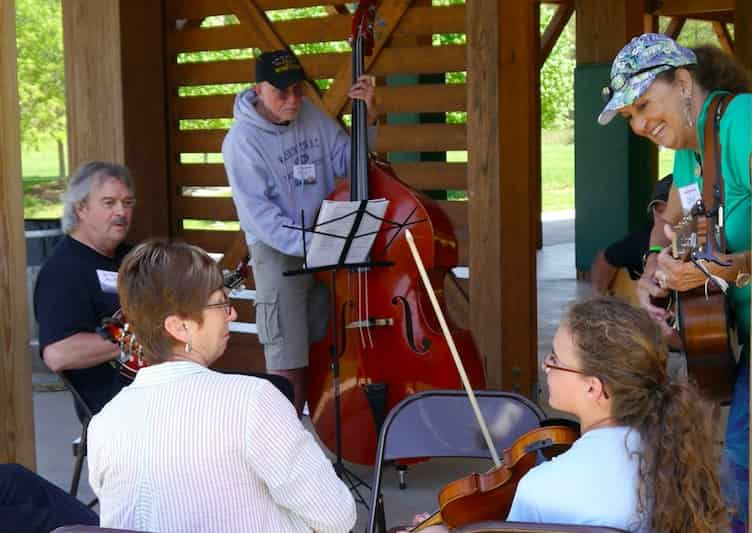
{"x": 727, "y": 17}
{"x": 672, "y": 8}
{"x": 555, "y": 26}
{"x": 675, "y": 26}
{"x": 724, "y": 37}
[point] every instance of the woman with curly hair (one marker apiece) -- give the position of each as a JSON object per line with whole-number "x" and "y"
{"x": 665, "y": 91}
{"x": 646, "y": 460}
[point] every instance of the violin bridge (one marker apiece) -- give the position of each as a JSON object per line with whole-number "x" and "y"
{"x": 371, "y": 323}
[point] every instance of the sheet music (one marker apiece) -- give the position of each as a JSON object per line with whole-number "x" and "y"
{"x": 326, "y": 250}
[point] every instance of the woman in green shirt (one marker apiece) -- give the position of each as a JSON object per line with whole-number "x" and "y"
{"x": 663, "y": 90}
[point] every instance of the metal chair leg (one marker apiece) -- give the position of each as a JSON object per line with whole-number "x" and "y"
{"x": 78, "y": 466}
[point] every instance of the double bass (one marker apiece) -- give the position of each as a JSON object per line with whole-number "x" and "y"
{"x": 389, "y": 343}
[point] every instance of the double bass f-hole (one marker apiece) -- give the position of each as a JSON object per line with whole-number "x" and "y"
{"x": 425, "y": 344}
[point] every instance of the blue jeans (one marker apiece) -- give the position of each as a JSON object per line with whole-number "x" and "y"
{"x": 736, "y": 451}
{"x": 31, "y": 504}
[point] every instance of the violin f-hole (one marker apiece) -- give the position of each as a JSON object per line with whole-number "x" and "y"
{"x": 425, "y": 344}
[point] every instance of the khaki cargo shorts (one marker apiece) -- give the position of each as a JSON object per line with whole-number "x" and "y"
{"x": 291, "y": 311}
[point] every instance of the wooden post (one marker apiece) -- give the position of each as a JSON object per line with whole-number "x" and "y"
{"x": 614, "y": 169}
{"x": 115, "y": 93}
{"x": 743, "y": 32}
{"x": 16, "y": 409}
{"x": 502, "y": 71}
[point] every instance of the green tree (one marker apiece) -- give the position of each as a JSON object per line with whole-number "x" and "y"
{"x": 557, "y": 76}
{"x": 41, "y": 85}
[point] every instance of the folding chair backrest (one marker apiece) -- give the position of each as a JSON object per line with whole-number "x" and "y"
{"x": 526, "y": 527}
{"x": 441, "y": 423}
{"x": 83, "y": 411}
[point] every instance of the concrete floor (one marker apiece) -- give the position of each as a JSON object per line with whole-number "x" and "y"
{"x": 56, "y": 424}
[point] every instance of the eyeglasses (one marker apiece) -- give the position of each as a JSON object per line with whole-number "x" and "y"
{"x": 619, "y": 81}
{"x": 226, "y": 305}
{"x": 550, "y": 361}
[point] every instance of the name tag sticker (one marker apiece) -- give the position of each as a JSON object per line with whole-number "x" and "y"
{"x": 304, "y": 174}
{"x": 107, "y": 281}
{"x": 689, "y": 195}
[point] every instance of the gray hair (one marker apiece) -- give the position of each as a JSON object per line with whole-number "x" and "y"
{"x": 79, "y": 186}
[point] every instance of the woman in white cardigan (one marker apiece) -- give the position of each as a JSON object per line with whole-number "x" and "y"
{"x": 187, "y": 449}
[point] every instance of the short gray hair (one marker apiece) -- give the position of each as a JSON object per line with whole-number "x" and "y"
{"x": 79, "y": 187}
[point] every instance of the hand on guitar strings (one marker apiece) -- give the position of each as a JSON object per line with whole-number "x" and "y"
{"x": 683, "y": 276}
{"x": 648, "y": 290}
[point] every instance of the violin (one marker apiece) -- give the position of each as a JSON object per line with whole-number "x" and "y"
{"x": 117, "y": 330}
{"x": 488, "y": 496}
{"x": 479, "y": 497}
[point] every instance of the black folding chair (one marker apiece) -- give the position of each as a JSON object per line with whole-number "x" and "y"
{"x": 441, "y": 423}
{"x": 527, "y": 527}
{"x": 79, "y": 444}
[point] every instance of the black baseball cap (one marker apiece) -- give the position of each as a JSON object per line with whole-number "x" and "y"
{"x": 280, "y": 68}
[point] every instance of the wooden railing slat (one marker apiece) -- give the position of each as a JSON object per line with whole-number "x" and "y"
{"x": 401, "y": 138}
{"x": 416, "y": 21}
{"x": 417, "y": 60}
{"x": 404, "y": 99}
{"x": 427, "y": 175}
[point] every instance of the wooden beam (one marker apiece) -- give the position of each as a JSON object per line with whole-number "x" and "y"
{"x": 415, "y": 60}
{"x": 402, "y": 99}
{"x": 743, "y": 33}
{"x": 672, "y": 8}
{"x": 388, "y": 17}
{"x": 339, "y": 9}
{"x": 16, "y": 410}
{"x": 502, "y": 67}
{"x": 651, "y": 23}
{"x": 115, "y": 97}
{"x": 555, "y": 26}
{"x": 614, "y": 23}
{"x": 93, "y": 89}
{"x": 675, "y": 26}
{"x": 727, "y": 17}
{"x": 724, "y": 37}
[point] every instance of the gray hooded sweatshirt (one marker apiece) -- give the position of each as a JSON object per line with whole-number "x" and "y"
{"x": 261, "y": 157}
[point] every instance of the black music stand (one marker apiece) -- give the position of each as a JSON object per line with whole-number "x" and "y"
{"x": 359, "y": 214}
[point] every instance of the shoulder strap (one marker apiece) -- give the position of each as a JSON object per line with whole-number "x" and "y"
{"x": 712, "y": 178}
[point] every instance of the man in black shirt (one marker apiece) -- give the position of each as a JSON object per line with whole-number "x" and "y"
{"x": 77, "y": 286}
{"x": 630, "y": 251}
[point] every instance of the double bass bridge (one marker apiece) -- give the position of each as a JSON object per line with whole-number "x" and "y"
{"x": 370, "y": 323}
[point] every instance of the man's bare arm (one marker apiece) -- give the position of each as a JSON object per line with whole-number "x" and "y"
{"x": 82, "y": 350}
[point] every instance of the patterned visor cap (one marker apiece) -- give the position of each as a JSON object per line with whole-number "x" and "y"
{"x": 635, "y": 68}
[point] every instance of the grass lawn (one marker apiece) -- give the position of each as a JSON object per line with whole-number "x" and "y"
{"x": 41, "y": 182}
{"x": 42, "y": 187}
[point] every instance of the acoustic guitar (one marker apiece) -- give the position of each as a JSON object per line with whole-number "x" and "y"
{"x": 702, "y": 314}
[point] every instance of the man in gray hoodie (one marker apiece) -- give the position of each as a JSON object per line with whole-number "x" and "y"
{"x": 282, "y": 155}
